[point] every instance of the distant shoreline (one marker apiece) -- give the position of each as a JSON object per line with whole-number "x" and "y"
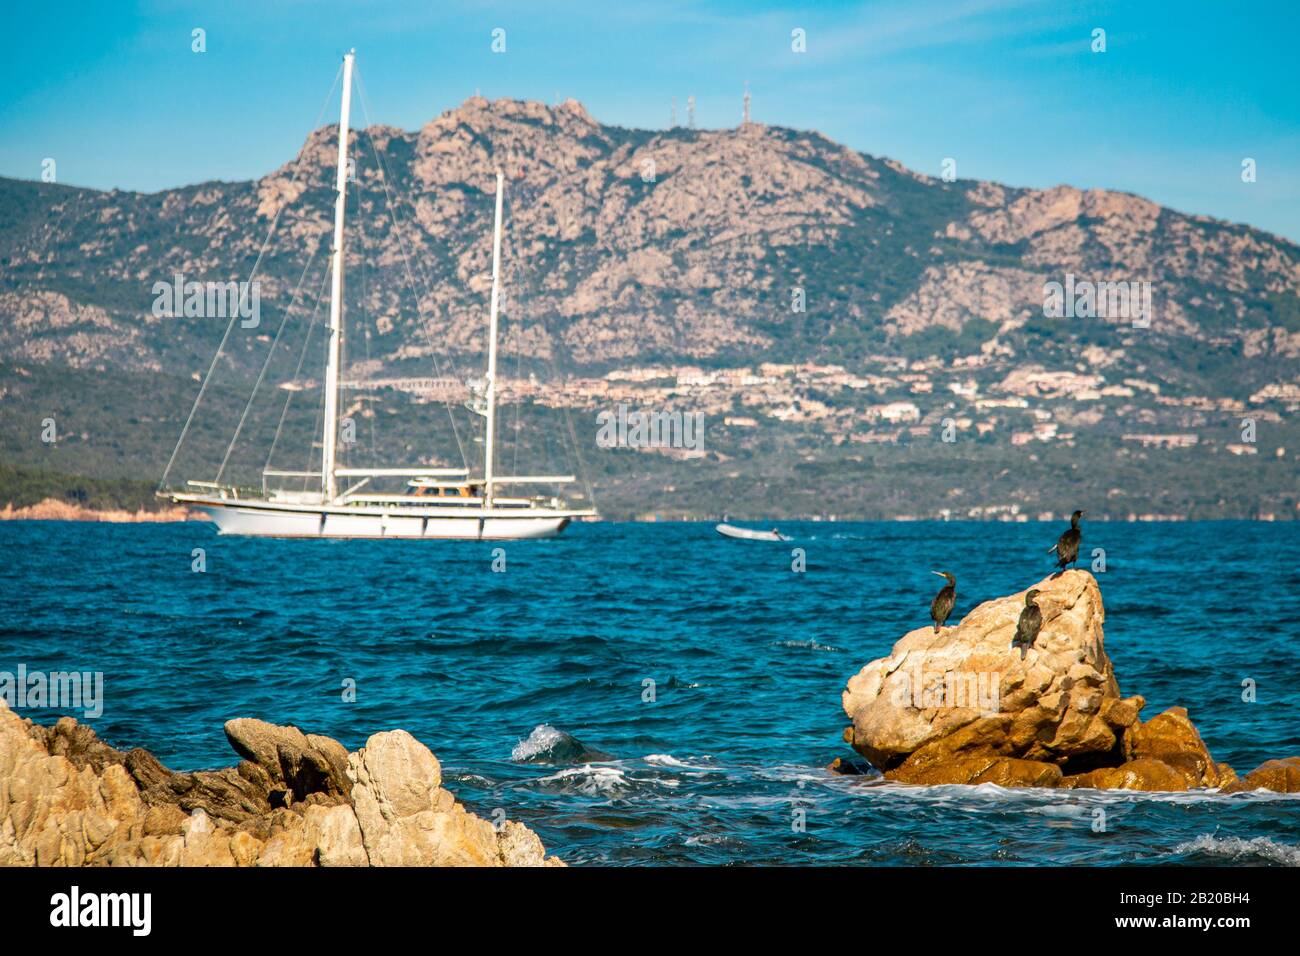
{"x": 51, "y": 509}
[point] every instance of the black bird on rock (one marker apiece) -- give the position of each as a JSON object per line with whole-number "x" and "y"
{"x": 942, "y": 604}
{"x": 1067, "y": 545}
{"x": 1030, "y": 623}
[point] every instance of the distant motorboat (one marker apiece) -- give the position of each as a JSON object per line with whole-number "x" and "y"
{"x": 748, "y": 534}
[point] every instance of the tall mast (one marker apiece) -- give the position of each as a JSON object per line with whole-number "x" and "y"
{"x": 489, "y": 453}
{"x": 328, "y": 486}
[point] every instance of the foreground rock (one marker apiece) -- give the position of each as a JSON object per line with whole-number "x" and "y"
{"x": 69, "y": 799}
{"x": 962, "y": 706}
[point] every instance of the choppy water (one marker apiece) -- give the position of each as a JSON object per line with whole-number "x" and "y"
{"x": 747, "y": 659}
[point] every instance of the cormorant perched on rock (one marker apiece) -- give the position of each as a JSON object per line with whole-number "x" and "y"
{"x": 1067, "y": 545}
{"x": 942, "y": 604}
{"x": 1027, "y": 628}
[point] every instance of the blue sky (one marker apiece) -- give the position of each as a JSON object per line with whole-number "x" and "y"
{"x": 1008, "y": 88}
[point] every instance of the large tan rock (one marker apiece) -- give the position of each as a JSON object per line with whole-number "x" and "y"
{"x": 205, "y": 843}
{"x": 1171, "y": 739}
{"x": 53, "y": 814}
{"x": 960, "y": 706}
{"x": 68, "y": 799}
{"x": 335, "y": 836}
{"x": 407, "y": 819}
{"x": 977, "y": 769}
{"x": 1141, "y": 774}
{"x": 1047, "y": 707}
{"x": 975, "y": 754}
{"x": 1282, "y": 776}
{"x": 300, "y": 762}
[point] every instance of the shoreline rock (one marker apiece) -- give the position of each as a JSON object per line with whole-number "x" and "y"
{"x": 52, "y": 509}
{"x": 295, "y": 799}
{"x": 962, "y": 707}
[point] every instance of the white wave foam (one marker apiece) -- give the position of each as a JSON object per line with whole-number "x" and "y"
{"x": 596, "y": 779}
{"x": 809, "y": 645}
{"x": 1236, "y": 848}
{"x": 1071, "y": 810}
{"x": 668, "y": 760}
{"x": 472, "y": 779}
{"x": 665, "y": 760}
{"x": 542, "y": 739}
{"x": 709, "y": 839}
{"x": 590, "y": 779}
{"x": 991, "y": 793}
{"x": 603, "y": 780}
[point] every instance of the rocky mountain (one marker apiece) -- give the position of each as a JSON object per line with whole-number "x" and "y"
{"x": 689, "y": 251}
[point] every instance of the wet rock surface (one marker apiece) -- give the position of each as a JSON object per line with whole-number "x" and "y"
{"x": 962, "y": 707}
{"x": 69, "y": 799}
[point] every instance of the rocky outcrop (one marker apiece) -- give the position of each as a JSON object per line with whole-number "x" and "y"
{"x": 52, "y": 509}
{"x": 961, "y": 706}
{"x": 965, "y": 690}
{"x": 302, "y": 764}
{"x": 407, "y": 819}
{"x": 1280, "y": 775}
{"x": 69, "y": 799}
{"x": 1171, "y": 739}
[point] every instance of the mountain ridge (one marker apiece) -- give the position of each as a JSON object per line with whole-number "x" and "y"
{"x": 794, "y": 190}
{"x": 676, "y": 255}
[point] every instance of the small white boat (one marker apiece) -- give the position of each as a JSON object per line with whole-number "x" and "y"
{"x": 731, "y": 531}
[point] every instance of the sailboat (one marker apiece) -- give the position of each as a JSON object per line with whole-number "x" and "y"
{"x": 436, "y": 503}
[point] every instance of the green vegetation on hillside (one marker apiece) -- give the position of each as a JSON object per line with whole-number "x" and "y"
{"x": 21, "y": 488}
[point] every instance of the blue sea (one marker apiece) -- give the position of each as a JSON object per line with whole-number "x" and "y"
{"x": 658, "y": 694}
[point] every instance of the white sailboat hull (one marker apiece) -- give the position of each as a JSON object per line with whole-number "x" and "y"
{"x": 271, "y": 521}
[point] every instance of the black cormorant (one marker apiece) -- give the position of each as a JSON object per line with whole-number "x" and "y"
{"x": 1067, "y": 545}
{"x": 1031, "y": 621}
{"x": 942, "y": 604}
